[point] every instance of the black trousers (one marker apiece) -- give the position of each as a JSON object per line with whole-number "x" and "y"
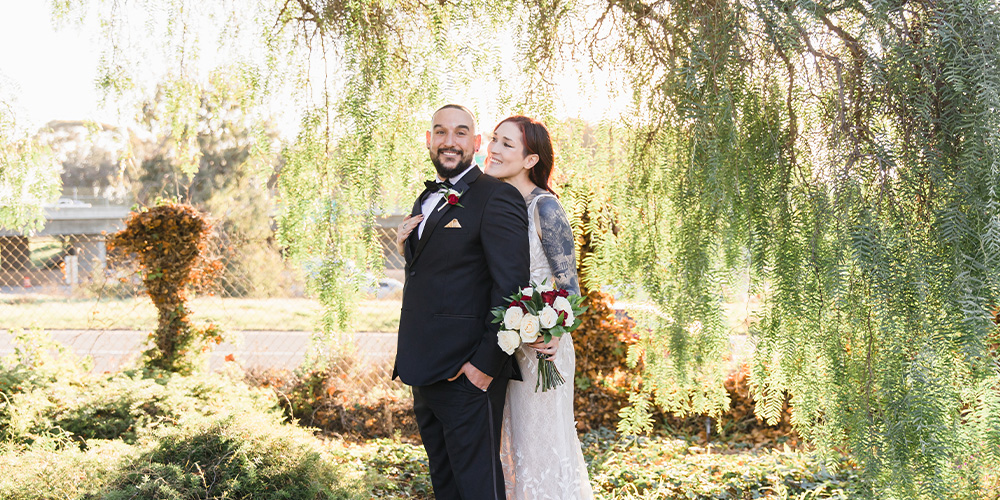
{"x": 460, "y": 427}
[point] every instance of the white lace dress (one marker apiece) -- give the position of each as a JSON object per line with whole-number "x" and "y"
{"x": 539, "y": 448}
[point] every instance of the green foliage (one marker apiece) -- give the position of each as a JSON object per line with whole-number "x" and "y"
{"x": 392, "y": 469}
{"x": 122, "y": 406}
{"x": 37, "y": 361}
{"x": 659, "y": 467}
{"x": 46, "y": 472}
{"x": 163, "y": 435}
{"x": 29, "y": 176}
{"x": 215, "y": 152}
{"x": 250, "y": 456}
{"x": 840, "y": 160}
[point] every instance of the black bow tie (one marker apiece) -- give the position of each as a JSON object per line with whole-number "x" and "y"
{"x": 437, "y": 186}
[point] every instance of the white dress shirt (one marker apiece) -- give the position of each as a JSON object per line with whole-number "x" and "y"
{"x": 434, "y": 198}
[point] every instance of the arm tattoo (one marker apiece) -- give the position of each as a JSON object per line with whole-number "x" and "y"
{"x": 558, "y": 243}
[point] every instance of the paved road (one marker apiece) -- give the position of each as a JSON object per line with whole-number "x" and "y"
{"x": 110, "y": 349}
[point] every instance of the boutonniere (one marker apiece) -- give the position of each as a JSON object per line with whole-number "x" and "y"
{"x": 451, "y": 197}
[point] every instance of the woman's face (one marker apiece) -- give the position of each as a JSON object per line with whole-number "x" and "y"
{"x": 506, "y": 153}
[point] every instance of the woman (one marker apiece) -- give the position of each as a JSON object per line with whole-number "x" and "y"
{"x": 540, "y": 451}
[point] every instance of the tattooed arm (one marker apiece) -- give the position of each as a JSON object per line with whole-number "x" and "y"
{"x": 558, "y": 243}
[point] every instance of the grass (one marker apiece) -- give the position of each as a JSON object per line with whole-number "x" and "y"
{"x": 667, "y": 467}
{"x": 59, "y": 313}
{"x": 632, "y": 468}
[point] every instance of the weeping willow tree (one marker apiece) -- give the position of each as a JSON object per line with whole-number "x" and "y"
{"x": 840, "y": 159}
{"x": 29, "y": 176}
{"x": 845, "y": 155}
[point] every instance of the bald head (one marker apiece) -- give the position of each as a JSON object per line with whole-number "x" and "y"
{"x": 459, "y": 107}
{"x": 452, "y": 140}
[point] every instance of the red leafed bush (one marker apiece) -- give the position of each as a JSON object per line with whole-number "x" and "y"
{"x": 169, "y": 243}
{"x": 603, "y": 378}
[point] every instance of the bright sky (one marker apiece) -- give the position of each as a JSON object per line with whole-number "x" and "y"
{"x": 48, "y": 74}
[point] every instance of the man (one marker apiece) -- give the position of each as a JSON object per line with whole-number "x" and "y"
{"x": 466, "y": 249}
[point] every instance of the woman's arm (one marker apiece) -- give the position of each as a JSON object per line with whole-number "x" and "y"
{"x": 560, "y": 251}
{"x": 558, "y": 243}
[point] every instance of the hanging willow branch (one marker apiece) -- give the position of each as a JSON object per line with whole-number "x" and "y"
{"x": 841, "y": 160}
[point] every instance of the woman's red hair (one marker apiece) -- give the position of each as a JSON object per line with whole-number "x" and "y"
{"x": 537, "y": 141}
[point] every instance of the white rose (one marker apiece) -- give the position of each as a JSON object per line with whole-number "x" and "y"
{"x": 548, "y": 317}
{"x": 562, "y": 304}
{"x": 569, "y": 319}
{"x": 508, "y": 341}
{"x": 512, "y": 318}
{"x": 527, "y": 291}
{"x": 545, "y": 287}
{"x": 529, "y": 328}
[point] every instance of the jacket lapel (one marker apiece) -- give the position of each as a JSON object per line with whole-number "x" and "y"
{"x": 412, "y": 238}
{"x": 442, "y": 208}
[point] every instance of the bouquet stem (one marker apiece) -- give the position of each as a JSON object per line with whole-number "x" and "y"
{"x": 548, "y": 375}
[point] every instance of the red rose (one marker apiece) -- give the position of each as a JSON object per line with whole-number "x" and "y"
{"x": 562, "y": 293}
{"x": 452, "y": 199}
{"x": 549, "y": 297}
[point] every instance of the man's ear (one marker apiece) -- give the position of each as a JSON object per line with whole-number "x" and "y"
{"x": 428, "y": 139}
{"x": 479, "y": 140}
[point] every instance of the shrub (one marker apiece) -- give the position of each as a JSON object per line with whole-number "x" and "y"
{"x": 45, "y": 472}
{"x": 126, "y": 405}
{"x": 251, "y": 456}
{"x": 37, "y": 361}
{"x": 339, "y": 404}
{"x": 603, "y": 377}
{"x": 170, "y": 242}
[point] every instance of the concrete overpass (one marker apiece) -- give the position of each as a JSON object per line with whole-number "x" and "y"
{"x": 80, "y": 227}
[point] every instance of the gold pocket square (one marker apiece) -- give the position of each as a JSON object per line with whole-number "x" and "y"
{"x": 453, "y": 223}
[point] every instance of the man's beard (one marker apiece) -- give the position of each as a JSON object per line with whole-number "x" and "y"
{"x": 447, "y": 173}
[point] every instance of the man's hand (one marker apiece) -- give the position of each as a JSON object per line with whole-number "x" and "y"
{"x": 478, "y": 378}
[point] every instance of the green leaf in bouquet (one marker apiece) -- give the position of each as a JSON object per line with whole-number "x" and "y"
{"x": 576, "y": 324}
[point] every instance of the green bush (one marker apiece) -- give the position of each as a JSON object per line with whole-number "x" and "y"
{"x": 47, "y": 470}
{"x": 251, "y": 456}
{"x": 37, "y": 361}
{"x": 66, "y": 434}
{"x": 124, "y": 405}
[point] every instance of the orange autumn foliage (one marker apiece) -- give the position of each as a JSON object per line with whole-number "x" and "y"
{"x": 170, "y": 243}
{"x": 603, "y": 377}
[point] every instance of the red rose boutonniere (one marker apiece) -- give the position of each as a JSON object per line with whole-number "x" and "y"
{"x": 451, "y": 197}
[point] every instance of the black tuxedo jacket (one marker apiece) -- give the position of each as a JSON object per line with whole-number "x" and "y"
{"x": 467, "y": 261}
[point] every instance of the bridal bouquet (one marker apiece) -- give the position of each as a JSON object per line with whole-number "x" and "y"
{"x": 538, "y": 312}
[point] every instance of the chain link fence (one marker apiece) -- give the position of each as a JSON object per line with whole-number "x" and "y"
{"x": 64, "y": 281}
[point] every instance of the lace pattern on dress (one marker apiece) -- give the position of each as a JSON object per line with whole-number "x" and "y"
{"x": 540, "y": 451}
